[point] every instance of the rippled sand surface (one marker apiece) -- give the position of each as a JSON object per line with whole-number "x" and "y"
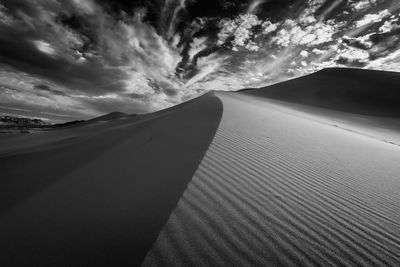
{"x": 275, "y": 188}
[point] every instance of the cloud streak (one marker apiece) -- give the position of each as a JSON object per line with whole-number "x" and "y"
{"x": 82, "y": 58}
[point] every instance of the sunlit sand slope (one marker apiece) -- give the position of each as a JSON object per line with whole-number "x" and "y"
{"x": 279, "y": 189}
{"x": 363, "y": 101}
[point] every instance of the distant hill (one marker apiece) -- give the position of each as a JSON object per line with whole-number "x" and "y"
{"x": 107, "y": 117}
{"x": 10, "y": 124}
{"x": 22, "y": 122}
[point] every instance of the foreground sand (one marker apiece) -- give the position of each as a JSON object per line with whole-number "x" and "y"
{"x": 99, "y": 193}
{"x": 276, "y": 188}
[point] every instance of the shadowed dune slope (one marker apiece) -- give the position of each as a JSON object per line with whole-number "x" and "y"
{"x": 367, "y": 92}
{"x": 100, "y": 193}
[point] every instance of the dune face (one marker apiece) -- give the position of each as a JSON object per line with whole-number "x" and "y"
{"x": 374, "y": 93}
{"x": 275, "y": 189}
{"x": 303, "y": 173}
{"x": 363, "y": 101}
{"x": 98, "y": 195}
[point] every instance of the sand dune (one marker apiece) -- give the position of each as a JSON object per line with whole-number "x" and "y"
{"x": 303, "y": 173}
{"x": 363, "y": 101}
{"x": 280, "y": 185}
{"x": 276, "y": 189}
{"x": 351, "y": 90}
{"x": 98, "y": 195}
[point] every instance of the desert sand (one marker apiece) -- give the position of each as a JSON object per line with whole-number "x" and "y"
{"x": 281, "y": 185}
{"x": 98, "y": 194}
{"x": 364, "y": 101}
{"x": 266, "y": 177}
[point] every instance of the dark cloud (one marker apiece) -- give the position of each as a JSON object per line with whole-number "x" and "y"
{"x": 351, "y": 62}
{"x": 17, "y": 49}
{"x": 358, "y": 43}
{"x": 46, "y": 88}
{"x": 20, "y": 53}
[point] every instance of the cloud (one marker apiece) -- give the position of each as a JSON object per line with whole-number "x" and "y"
{"x": 206, "y": 65}
{"x": 304, "y": 54}
{"x": 357, "y": 5}
{"x": 81, "y": 58}
{"x": 390, "y": 62}
{"x": 361, "y": 42}
{"x": 254, "y": 6}
{"x": 196, "y": 46}
{"x": 48, "y": 89}
{"x": 79, "y": 46}
{"x": 44, "y": 47}
{"x": 354, "y": 57}
{"x": 268, "y": 27}
{"x": 373, "y": 18}
{"x": 87, "y": 7}
{"x": 390, "y": 25}
{"x": 237, "y": 32}
{"x": 292, "y": 33}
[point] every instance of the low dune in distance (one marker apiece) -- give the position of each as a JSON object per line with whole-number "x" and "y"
{"x": 302, "y": 173}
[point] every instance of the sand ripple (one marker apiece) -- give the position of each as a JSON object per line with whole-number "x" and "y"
{"x": 274, "y": 189}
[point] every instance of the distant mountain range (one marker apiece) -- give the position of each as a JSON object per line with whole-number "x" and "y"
{"x": 10, "y": 121}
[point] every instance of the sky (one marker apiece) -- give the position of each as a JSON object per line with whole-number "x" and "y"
{"x": 64, "y": 60}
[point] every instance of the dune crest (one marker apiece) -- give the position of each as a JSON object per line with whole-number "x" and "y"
{"x": 98, "y": 194}
{"x": 367, "y": 92}
{"x": 363, "y": 101}
{"x": 278, "y": 189}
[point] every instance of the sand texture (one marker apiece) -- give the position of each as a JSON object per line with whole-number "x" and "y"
{"x": 277, "y": 189}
